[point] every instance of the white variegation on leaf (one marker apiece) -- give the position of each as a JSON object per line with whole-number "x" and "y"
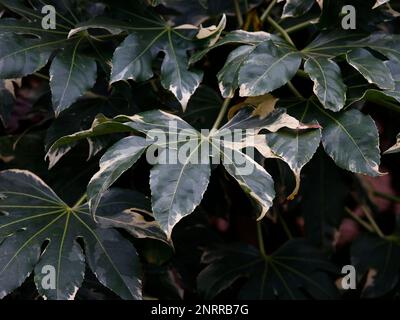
{"x": 395, "y": 148}
{"x": 133, "y": 58}
{"x": 119, "y": 158}
{"x": 378, "y": 3}
{"x": 296, "y": 8}
{"x": 350, "y": 138}
{"x": 263, "y": 105}
{"x": 212, "y": 33}
{"x": 373, "y": 69}
{"x": 176, "y": 77}
{"x": 250, "y": 118}
{"x": 101, "y": 126}
{"x": 268, "y": 67}
{"x": 71, "y": 75}
{"x": 328, "y": 83}
{"x": 39, "y": 230}
{"x": 21, "y": 56}
{"x": 296, "y": 148}
{"x": 228, "y": 76}
{"x": 178, "y": 187}
{"x": 368, "y": 92}
{"x": 257, "y": 182}
{"x": 234, "y": 37}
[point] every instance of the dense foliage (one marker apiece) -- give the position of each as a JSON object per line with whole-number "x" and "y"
{"x": 82, "y": 103}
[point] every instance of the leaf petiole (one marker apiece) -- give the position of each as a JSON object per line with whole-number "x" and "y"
{"x": 80, "y": 201}
{"x": 366, "y": 225}
{"x": 294, "y": 90}
{"x": 261, "y": 240}
{"x": 267, "y": 11}
{"x": 300, "y": 26}
{"x": 238, "y": 13}
{"x": 282, "y": 31}
{"x": 285, "y": 226}
{"x": 221, "y": 114}
{"x": 386, "y": 196}
{"x": 374, "y": 225}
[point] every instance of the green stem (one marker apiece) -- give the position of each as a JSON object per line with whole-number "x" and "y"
{"x": 154, "y": 85}
{"x": 359, "y": 220}
{"x": 80, "y": 201}
{"x": 98, "y": 53}
{"x": 246, "y": 5}
{"x": 268, "y": 10}
{"x": 285, "y": 226}
{"x": 281, "y": 30}
{"x": 42, "y": 76}
{"x": 386, "y": 104}
{"x": 303, "y": 74}
{"x": 387, "y": 196}
{"x": 238, "y": 13}
{"x": 221, "y": 114}
{"x": 372, "y": 221}
{"x": 300, "y": 26}
{"x": 261, "y": 239}
{"x": 294, "y": 90}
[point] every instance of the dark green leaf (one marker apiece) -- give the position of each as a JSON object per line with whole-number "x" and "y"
{"x": 328, "y": 82}
{"x": 22, "y": 56}
{"x": 296, "y": 148}
{"x": 133, "y": 59}
{"x": 119, "y": 158}
{"x": 296, "y": 271}
{"x": 267, "y": 68}
{"x": 92, "y": 124}
{"x": 175, "y": 75}
{"x": 350, "y": 138}
{"x": 374, "y": 70}
{"x": 31, "y": 12}
{"x": 27, "y": 27}
{"x": 177, "y": 189}
{"x": 131, "y": 211}
{"x": 101, "y": 127}
{"x": 323, "y": 196}
{"x": 178, "y": 184}
{"x": 228, "y": 76}
{"x": 234, "y": 37}
{"x": 247, "y": 118}
{"x": 394, "y": 68}
{"x": 379, "y": 260}
{"x": 154, "y": 120}
{"x": 34, "y": 214}
{"x": 251, "y": 176}
{"x": 197, "y": 11}
{"x": 295, "y": 8}
{"x": 386, "y": 44}
{"x": 363, "y": 90}
{"x": 333, "y": 44}
{"x": 71, "y": 75}
{"x": 203, "y": 108}
{"x": 7, "y": 101}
